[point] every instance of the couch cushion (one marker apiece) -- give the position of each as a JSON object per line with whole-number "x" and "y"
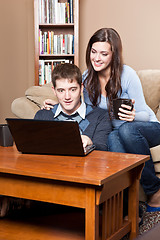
{"x": 158, "y": 113}
{"x": 37, "y": 94}
{"x": 155, "y": 151}
{"x": 150, "y": 80}
{"x": 44, "y": 90}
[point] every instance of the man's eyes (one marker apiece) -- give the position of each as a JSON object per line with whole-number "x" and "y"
{"x": 60, "y": 90}
{"x": 73, "y": 89}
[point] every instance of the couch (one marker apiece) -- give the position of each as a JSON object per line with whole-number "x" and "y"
{"x": 28, "y": 105}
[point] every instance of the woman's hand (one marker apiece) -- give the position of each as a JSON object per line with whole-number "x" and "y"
{"x": 125, "y": 112}
{"x": 86, "y": 141}
{"x": 48, "y": 104}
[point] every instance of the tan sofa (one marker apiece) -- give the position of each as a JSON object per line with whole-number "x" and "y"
{"x": 27, "y": 106}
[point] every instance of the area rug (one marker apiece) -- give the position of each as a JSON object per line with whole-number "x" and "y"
{"x": 150, "y": 219}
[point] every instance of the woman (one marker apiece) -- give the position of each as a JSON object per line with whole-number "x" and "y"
{"x": 107, "y": 78}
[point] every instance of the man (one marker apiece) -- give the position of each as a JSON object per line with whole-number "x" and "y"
{"x": 93, "y": 122}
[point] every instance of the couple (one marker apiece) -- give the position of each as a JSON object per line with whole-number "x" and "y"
{"x": 107, "y": 78}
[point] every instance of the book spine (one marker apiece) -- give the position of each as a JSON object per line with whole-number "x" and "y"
{"x": 50, "y": 9}
{"x": 71, "y": 11}
{"x": 66, "y": 43}
{"x": 68, "y": 11}
{"x": 42, "y": 44}
{"x": 73, "y": 44}
{"x": 45, "y": 42}
{"x": 55, "y": 44}
{"x": 52, "y": 41}
{"x": 56, "y": 11}
{"x": 39, "y": 11}
{"x": 40, "y": 41}
{"x": 41, "y": 72}
{"x": 42, "y": 11}
{"x": 47, "y": 11}
{"x": 58, "y": 44}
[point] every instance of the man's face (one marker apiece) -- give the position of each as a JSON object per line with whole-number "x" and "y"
{"x": 68, "y": 94}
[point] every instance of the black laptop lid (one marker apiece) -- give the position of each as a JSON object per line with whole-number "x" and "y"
{"x": 46, "y": 137}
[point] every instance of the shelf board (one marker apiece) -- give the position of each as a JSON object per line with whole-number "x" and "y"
{"x": 56, "y": 55}
{"x": 68, "y": 225}
{"x": 58, "y": 25}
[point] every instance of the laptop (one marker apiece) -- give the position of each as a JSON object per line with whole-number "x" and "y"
{"x": 47, "y": 137}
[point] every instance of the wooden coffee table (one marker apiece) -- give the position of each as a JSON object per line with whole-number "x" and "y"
{"x": 83, "y": 182}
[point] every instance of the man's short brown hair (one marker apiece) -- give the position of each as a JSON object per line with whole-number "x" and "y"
{"x": 66, "y": 71}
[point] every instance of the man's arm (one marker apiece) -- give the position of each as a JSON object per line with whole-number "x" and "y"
{"x": 102, "y": 130}
{"x": 44, "y": 115}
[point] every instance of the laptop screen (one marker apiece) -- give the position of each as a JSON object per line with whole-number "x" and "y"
{"x": 47, "y": 137}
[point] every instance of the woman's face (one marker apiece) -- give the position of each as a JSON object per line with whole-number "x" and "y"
{"x": 101, "y": 56}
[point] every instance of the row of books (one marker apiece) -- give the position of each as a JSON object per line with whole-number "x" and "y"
{"x": 50, "y": 43}
{"x": 46, "y": 67}
{"x": 55, "y": 12}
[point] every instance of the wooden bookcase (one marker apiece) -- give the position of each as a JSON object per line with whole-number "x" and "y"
{"x": 57, "y": 28}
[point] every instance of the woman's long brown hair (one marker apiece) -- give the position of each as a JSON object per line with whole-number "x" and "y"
{"x": 91, "y": 82}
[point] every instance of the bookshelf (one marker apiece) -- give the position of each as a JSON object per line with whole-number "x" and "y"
{"x": 56, "y": 26}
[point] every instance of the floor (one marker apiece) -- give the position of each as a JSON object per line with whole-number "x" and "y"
{"x": 149, "y": 219}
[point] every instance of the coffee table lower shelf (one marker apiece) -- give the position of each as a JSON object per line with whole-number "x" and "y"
{"x": 67, "y": 225}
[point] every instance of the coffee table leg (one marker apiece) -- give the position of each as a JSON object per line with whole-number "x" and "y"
{"x": 133, "y": 207}
{"x": 91, "y": 216}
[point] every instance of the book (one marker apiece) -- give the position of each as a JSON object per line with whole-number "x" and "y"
{"x": 52, "y": 42}
{"x": 71, "y": 11}
{"x": 46, "y": 67}
{"x": 45, "y": 42}
{"x": 41, "y": 72}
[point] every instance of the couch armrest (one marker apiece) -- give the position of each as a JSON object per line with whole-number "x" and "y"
{"x": 24, "y": 108}
{"x": 155, "y": 151}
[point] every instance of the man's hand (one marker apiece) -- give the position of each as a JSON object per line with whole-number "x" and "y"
{"x": 86, "y": 140}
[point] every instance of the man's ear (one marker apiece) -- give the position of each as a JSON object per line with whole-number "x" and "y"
{"x": 82, "y": 87}
{"x": 54, "y": 90}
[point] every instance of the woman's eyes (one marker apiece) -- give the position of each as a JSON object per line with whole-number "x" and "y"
{"x": 92, "y": 51}
{"x": 103, "y": 54}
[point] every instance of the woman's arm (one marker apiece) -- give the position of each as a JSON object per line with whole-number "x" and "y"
{"x": 132, "y": 88}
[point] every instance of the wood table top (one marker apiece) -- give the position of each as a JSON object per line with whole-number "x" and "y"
{"x": 96, "y": 168}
